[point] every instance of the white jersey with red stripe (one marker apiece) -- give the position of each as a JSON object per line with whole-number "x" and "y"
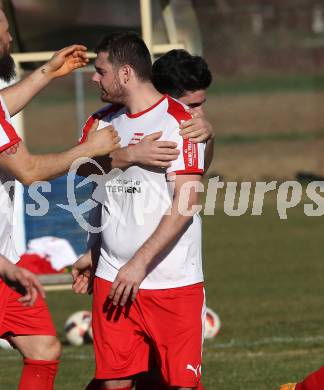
{"x": 135, "y": 200}
{"x": 8, "y": 138}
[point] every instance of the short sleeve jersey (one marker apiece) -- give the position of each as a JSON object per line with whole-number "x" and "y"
{"x": 137, "y": 199}
{"x": 8, "y": 138}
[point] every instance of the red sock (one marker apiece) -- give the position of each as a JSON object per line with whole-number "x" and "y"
{"x": 314, "y": 381}
{"x": 38, "y": 374}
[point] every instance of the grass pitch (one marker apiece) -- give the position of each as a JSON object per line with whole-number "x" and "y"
{"x": 264, "y": 277}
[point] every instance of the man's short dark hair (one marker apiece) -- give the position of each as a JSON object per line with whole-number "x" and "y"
{"x": 127, "y": 49}
{"x": 177, "y": 72}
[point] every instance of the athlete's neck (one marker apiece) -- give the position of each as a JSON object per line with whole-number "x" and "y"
{"x": 143, "y": 97}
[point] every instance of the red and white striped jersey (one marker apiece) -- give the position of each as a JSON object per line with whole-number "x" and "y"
{"x": 8, "y": 138}
{"x": 136, "y": 199}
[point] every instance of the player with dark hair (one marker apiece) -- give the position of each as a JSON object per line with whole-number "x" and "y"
{"x": 30, "y": 328}
{"x": 127, "y": 48}
{"x": 186, "y": 77}
{"x": 149, "y": 271}
{"x": 179, "y": 74}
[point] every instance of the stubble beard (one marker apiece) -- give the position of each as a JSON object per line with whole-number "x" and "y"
{"x": 117, "y": 95}
{"x": 7, "y": 66}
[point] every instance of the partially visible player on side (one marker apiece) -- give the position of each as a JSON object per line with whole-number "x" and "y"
{"x": 314, "y": 381}
{"x": 30, "y": 328}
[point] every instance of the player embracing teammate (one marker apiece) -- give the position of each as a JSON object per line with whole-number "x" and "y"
{"x": 148, "y": 296}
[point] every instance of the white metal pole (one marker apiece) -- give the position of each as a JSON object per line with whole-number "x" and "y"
{"x": 19, "y": 118}
{"x": 79, "y": 94}
{"x": 146, "y": 23}
{"x": 169, "y": 22}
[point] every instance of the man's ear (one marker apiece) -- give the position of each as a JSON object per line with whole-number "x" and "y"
{"x": 125, "y": 73}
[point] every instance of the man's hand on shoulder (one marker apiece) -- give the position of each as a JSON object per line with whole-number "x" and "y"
{"x": 197, "y": 129}
{"x": 102, "y": 141}
{"x": 152, "y": 152}
{"x": 66, "y": 61}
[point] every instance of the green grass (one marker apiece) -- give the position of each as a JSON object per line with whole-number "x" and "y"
{"x": 234, "y": 139}
{"x": 265, "y": 278}
{"x": 268, "y": 84}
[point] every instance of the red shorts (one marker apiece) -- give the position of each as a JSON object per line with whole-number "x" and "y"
{"x": 23, "y": 320}
{"x": 164, "y": 325}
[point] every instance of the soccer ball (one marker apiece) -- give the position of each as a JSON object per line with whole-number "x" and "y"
{"x": 212, "y": 324}
{"x": 77, "y": 327}
{"x": 4, "y": 344}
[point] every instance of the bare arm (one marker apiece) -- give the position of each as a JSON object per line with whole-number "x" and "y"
{"x": 62, "y": 63}
{"x": 28, "y": 168}
{"x": 153, "y": 153}
{"x": 168, "y": 231}
{"x": 148, "y": 152}
{"x": 84, "y": 269}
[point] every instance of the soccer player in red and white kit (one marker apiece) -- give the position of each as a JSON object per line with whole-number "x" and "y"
{"x": 187, "y": 78}
{"x": 30, "y": 328}
{"x": 148, "y": 290}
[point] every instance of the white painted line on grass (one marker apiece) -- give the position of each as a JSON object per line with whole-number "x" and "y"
{"x": 12, "y": 355}
{"x": 266, "y": 341}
